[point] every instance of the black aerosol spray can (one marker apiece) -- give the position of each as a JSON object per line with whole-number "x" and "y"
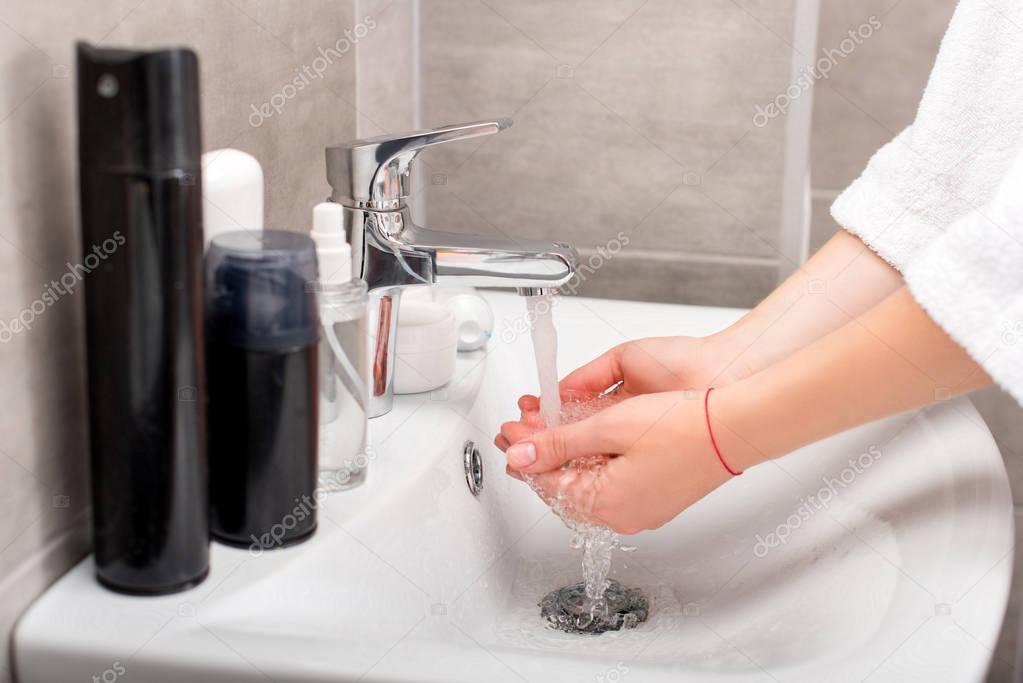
{"x": 139, "y": 160}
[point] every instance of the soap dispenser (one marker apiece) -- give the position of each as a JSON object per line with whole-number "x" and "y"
{"x": 141, "y": 224}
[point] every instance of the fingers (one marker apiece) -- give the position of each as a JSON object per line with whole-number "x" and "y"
{"x": 501, "y": 441}
{"x": 551, "y": 448}
{"x": 529, "y": 403}
{"x": 597, "y": 375}
{"x": 517, "y": 431}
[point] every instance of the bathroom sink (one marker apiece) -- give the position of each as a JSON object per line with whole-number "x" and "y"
{"x": 880, "y": 554}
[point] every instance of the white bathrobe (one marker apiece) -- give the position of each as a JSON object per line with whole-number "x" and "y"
{"x": 943, "y": 201}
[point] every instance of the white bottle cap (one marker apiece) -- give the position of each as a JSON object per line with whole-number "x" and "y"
{"x": 474, "y": 318}
{"x": 473, "y": 315}
{"x": 232, "y": 192}
{"x": 332, "y": 250}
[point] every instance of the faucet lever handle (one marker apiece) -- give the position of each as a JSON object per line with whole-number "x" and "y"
{"x": 374, "y": 172}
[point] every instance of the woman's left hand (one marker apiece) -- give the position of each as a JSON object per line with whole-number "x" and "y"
{"x": 661, "y": 460}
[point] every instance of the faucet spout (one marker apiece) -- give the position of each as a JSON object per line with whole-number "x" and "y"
{"x": 390, "y": 252}
{"x": 510, "y": 263}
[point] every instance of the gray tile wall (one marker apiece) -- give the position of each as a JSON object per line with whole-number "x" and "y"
{"x": 249, "y": 49}
{"x": 872, "y": 94}
{"x": 387, "y": 94}
{"x": 867, "y": 99}
{"x": 629, "y": 116}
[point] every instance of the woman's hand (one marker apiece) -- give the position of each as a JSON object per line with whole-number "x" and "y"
{"x": 656, "y": 364}
{"x": 661, "y": 460}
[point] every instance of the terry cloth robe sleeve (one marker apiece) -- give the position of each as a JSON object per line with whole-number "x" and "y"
{"x": 970, "y": 281}
{"x": 967, "y": 131}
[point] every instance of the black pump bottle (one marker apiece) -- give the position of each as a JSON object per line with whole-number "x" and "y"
{"x": 139, "y": 163}
{"x": 262, "y": 329}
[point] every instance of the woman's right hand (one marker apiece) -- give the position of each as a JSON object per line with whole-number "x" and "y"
{"x": 660, "y": 460}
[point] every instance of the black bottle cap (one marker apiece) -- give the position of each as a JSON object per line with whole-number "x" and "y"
{"x": 138, "y": 111}
{"x": 259, "y": 290}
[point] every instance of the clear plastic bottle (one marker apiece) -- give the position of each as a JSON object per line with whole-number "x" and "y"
{"x": 344, "y": 366}
{"x": 344, "y": 355}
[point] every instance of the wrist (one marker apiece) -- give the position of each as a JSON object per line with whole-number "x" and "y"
{"x": 733, "y": 426}
{"x": 737, "y": 351}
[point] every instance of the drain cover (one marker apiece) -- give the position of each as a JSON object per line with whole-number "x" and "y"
{"x": 568, "y": 609}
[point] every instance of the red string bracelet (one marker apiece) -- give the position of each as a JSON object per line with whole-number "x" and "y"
{"x": 710, "y": 431}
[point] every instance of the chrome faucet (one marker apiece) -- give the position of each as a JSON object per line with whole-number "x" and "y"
{"x": 370, "y": 178}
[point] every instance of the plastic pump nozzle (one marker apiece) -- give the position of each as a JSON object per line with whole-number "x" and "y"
{"x": 332, "y": 248}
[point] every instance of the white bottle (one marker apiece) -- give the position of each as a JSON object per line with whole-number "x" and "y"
{"x": 232, "y": 192}
{"x": 344, "y": 355}
{"x": 332, "y": 249}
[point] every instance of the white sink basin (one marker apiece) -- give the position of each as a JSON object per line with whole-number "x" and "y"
{"x": 903, "y": 576}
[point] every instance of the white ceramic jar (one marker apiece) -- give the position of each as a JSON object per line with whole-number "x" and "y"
{"x": 426, "y": 347}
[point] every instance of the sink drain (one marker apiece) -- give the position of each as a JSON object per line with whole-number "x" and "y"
{"x": 473, "y": 467}
{"x": 568, "y": 609}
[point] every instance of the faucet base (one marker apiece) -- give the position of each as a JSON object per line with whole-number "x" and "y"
{"x": 383, "y": 324}
{"x": 536, "y": 291}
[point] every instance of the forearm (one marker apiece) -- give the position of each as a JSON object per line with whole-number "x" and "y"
{"x": 890, "y": 359}
{"x": 841, "y": 281}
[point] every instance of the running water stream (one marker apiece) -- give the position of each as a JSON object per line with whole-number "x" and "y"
{"x": 545, "y": 348}
{"x": 597, "y": 604}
